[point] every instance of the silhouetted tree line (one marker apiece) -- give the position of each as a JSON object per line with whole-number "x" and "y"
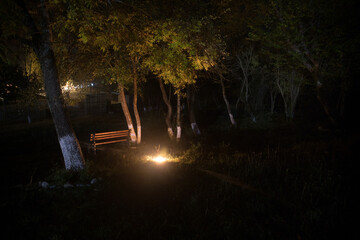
{"x": 251, "y": 58}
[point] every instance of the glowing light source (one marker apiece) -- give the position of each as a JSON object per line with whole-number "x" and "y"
{"x": 159, "y": 159}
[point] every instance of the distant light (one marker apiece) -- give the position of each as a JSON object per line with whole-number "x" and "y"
{"x": 92, "y": 84}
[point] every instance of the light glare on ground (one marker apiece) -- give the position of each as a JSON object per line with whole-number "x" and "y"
{"x": 160, "y": 159}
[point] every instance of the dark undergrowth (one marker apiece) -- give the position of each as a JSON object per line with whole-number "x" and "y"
{"x": 280, "y": 183}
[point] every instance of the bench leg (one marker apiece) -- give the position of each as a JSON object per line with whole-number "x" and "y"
{"x": 92, "y": 147}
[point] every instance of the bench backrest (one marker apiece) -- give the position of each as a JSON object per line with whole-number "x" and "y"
{"x": 109, "y": 137}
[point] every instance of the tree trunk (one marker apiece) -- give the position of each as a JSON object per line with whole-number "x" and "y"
{"x": 178, "y": 118}
{"x": 169, "y": 108}
{"x": 232, "y": 120}
{"x": 273, "y": 95}
{"x": 322, "y": 102}
{"x": 70, "y": 147}
{"x": 282, "y": 93}
{"x": 136, "y": 112}
{"x": 127, "y": 113}
{"x": 312, "y": 66}
{"x": 190, "y": 103}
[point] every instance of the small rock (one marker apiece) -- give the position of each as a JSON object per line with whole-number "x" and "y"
{"x": 93, "y": 181}
{"x": 68, "y": 185}
{"x": 44, "y": 184}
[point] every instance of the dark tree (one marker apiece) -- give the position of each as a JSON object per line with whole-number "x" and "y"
{"x": 36, "y": 33}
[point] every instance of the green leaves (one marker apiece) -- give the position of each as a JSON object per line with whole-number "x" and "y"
{"x": 180, "y": 49}
{"x": 122, "y": 36}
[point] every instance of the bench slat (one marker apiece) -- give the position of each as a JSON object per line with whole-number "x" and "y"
{"x": 108, "y": 137}
{"x": 102, "y": 143}
{"x": 106, "y": 133}
{"x": 114, "y": 134}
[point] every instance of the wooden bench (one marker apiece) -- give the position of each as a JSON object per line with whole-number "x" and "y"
{"x": 97, "y": 139}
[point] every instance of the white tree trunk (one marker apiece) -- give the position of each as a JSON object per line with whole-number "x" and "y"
{"x": 41, "y": 39}
{"x": 178, "y": 118}
{"x": 170, "y": 133}
{"x": 195, "y": 128}
{"x": 232, "y": 120}
{"x": 289, "y": 85}
{"x": 136, "y": 112}
{"x": 69, "y": 145}
{"x": 169, "y": 110}
{"x": 178, "y": 133}
{"x": 127, "y": 113}
{"x": 190, "y": 102}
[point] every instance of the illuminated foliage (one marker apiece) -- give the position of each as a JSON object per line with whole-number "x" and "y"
{"x": 179, "y": 49}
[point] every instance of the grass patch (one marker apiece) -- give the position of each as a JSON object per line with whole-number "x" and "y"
{"x": 298, "y": 185}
